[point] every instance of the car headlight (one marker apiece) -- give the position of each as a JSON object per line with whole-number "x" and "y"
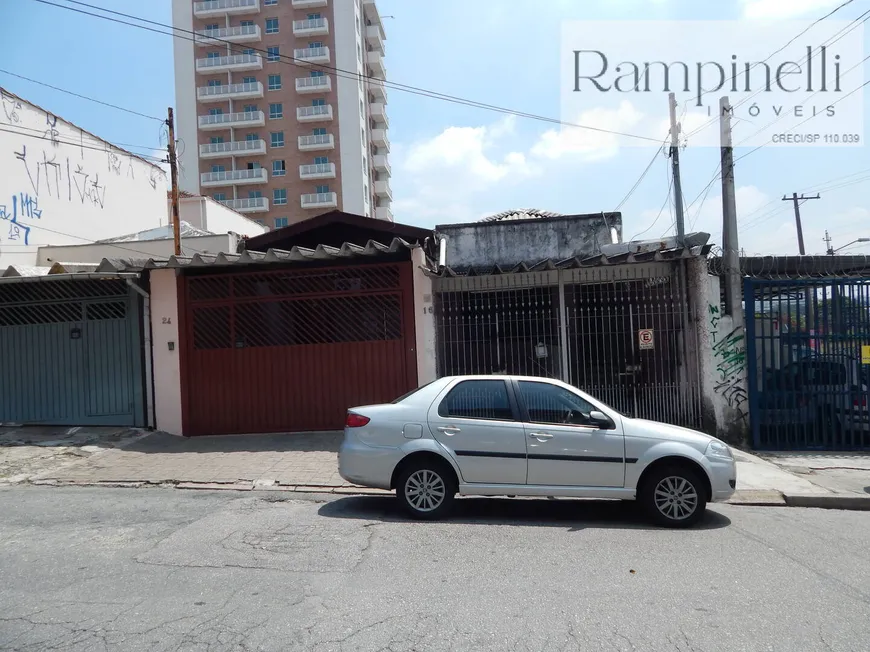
{"x": 718, "y": 449}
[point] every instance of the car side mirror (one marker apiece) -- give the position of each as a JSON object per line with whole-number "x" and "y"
{"x": 601, "y": 420}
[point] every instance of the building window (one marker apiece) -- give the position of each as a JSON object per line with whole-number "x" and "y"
{"x": 213, "y": 55}
{"x": 250, "y": 108}
{"x": 315, "y": 44}
{"x": 252, "y": 136}
{"x": 320, "y": 160}
{"x": 270, "y": 2}
{"x": 321, "y": 189}
{"x": 276, "y": 111}
{"x": 246, "y": 23}
{"x": 271, "y": 26}
{"x": 279, "y": 196}
{"x": 218, "y": 168}
{"x": 217, "y": 140}
{"x": 215, "y": 111}
{"x": 273, "y": 53}
{"x": 314, "y": 16}
{"x": 249, "y": 80}
{"x": 274, "y": 82}
{"x": 249, "y": 51}
{"x": 319, "y": 131}
{"x": 212, "y": 28}
{"x": 316, "y": 73}
{"x": 255, "y": 194}
{"x": 318, "y": 102}
{"x": 254, "y": 166}
{"x": 281, "y": 222}
{"x": 215, "y": 82}
{"x": 277, "y": 138}
{"x": 219, "y": 196}
{"x": 279, "y": 169}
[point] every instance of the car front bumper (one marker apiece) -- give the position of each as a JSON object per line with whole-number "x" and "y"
{"x": 723, "y": 478}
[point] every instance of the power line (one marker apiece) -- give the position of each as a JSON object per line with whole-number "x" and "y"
{"x": 84, "y": 97}
{"x": 846, "y": 29}
{"x": 638, "y": 182}
{"x": 661, "y": 210}
{"x": 75, "y": 144}
{"x": 91, "y": 138}
{"x": 345, "y": 74}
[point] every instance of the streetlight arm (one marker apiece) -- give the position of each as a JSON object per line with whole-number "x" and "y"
{"x": 850, "y": 244}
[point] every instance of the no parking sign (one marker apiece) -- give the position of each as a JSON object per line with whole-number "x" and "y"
{"x": 645, "y": 339}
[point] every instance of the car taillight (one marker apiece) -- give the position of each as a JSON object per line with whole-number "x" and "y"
{"x": 859, "y": 401}
{"x": 356, "y": 420}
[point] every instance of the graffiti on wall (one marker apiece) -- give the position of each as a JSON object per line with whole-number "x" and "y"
{"x": 22, "y": 207}
{"x": 729, "y": 355}
{"x": 49, "y": 175}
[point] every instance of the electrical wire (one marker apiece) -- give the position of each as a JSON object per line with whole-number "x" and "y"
{"x": 91, "y": 138}
{"x": 75, "y": 144}
{"x": 658, "y": 217}
{"x": 84, "y": 97}
{"x": 638, "y": 182}
{"x": 345, "y": 74}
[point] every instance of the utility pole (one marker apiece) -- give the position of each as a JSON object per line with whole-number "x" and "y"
{"x": 173, "y": 166}
{"x": 827, "y": 240}
{"x": 730, "y": 246}
{"x": 797, "y": 218}
{"x": 675, "y": 165}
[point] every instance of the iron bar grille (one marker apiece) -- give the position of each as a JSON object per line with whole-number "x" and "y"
{"x": 581, "y": 327}
{"x": 54, "y": 302}
{"x": 292, "y": 308}
{"x": 35, "y": 292}
{"x": 808, "y": 363}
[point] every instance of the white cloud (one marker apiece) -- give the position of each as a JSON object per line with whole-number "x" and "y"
{"x": 781, "y": 9}
{"x": 587, "y": 144}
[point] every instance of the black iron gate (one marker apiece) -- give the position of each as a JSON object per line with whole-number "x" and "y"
{"x": 808, "y": 349}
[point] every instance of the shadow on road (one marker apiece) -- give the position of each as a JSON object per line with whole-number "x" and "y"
{"x": 575, "y": 515}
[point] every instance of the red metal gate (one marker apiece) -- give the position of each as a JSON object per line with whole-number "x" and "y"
{"x": 290, "y": 350}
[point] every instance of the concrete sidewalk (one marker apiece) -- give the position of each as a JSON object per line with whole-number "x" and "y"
{"x": 307, "y": 463}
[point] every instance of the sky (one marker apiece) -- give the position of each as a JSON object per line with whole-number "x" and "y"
{"x": 456, "y": 163}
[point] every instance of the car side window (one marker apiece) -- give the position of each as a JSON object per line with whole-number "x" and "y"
{"x": 548, "y": 403}
{"x": 478, "y": 399}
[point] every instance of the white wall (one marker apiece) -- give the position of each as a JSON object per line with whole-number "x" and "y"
{"x": 160, "y": 249}
{"x": 185, "y": 98}
{"x": 351, "y": 125}
{"x": 207, "y": 214}
{"x": 167, "y": 365}
{"x": 61, "y": 185}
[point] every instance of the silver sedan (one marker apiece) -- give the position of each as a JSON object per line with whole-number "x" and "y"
{"x": 518, "y": 436}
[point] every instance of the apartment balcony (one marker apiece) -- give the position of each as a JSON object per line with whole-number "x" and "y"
{"x": 314, "y": 113}
{"x": 382, "y": 164}
{"x": 370, "y": 8}
{"x": 379, "y": 138}
{"x": 226, "y": 92}
{"x": 212, "y": 8}
{"x": 320, "y": 200}
{"x": 233, "y": 177}
{"x": 248, "y": 204}
{"x": 311, "y": 27}
{"x": 378, "y": 89}
{"x": 322, "y": 84}
{"x": 375, "y": 61}
{"x": 227, "y": 120}
{"x": 309, "y": 4}
{"x": 311, "y": 55}
{"x": 238, "y": 34}
{"x": 314, "y": 143}
{"x": 317, "y": 171}
{"x": 233, "y": 148}
{"x": 383, "y": 213}
{"x": 375, "y": 37}
{"x": 231, "y": 63}
{"x": 378, "y": 111}
{"x": 383, "y": 190}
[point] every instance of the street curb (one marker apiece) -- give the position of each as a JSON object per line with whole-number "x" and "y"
{"x": 757, "y": 498}
{"x": 829, "y": 501}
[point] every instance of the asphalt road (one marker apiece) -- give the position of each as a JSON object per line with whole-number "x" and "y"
{"x": 161, "y": 569}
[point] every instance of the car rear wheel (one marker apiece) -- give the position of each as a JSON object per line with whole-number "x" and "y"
{"x": 426, "y": 490}
{"x": 674, "y": 497}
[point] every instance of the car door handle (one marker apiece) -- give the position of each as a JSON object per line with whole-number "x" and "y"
{"x": 540, "y": 435}
{"x": 449, "y": 430}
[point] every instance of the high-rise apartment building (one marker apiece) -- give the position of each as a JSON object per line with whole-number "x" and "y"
{"x": 281, "y": 107}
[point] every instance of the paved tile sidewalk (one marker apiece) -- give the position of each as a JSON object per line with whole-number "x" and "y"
{"x": 285, "y": 460}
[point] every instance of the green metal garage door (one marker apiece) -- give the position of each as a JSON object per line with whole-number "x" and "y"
{"x": 70, "y": 353}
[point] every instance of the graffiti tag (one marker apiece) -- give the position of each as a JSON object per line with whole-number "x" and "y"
{"x": 23, "y": 206}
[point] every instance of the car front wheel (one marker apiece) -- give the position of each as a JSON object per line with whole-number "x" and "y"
{"x": 426, "y": 490}
{"x": 674, "y": 497}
